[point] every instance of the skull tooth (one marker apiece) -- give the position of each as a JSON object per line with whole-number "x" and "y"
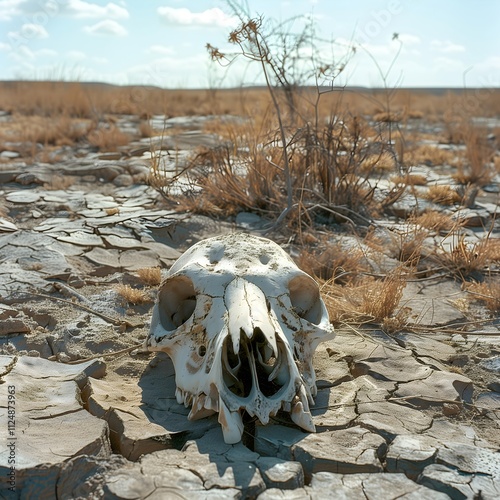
{"x": 179, "y": 395}
{"x": 211, "y": 404}
{"x": 188, "y": 398}
{"x": 302, "y": 417}
{"x": 198, "y": 409}
{"x": 231, "y": 422}
{"x": 286, "y": 406}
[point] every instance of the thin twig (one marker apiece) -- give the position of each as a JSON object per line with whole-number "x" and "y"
{"x": 109, "y": 319}
{"x": 103, "y": 355}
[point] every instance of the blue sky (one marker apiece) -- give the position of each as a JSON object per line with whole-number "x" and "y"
{"x": 162, "y": 42}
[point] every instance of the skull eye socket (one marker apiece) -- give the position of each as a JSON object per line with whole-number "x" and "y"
{"x": 305, "y": 298}
{"x": 177, "y": 302}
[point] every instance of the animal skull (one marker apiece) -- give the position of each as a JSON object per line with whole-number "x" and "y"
{"x": 241, "y": 322}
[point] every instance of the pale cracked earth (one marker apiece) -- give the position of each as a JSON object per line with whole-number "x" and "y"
{"x": 401, "y": 416}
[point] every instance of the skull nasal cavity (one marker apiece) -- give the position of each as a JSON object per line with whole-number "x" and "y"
{"x": 255, "y": 360}
{"x": 176, "y": 302}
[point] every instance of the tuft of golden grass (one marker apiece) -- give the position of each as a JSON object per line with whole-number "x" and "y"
{"x": 59, "y": 130}
{"x": 333, "y": 263}
{"x": 60, "y": 182}
{"x": 426, "y": 154}
{"x": 150, "y": 276}
{"x": 367, "y": 300}
{"x": 487, "y": 292}
{"x": 388, "y": 117}
{"x": 435, "y": 221}
{"x": 477, "y": 168}
{"x": 410, "y": 179}
{"x": 465, "y": 259}
{"x": 444, "y": 195}
{"x": 145, "y": 129}
{"x": 131, "y": 295}
{"x": 108, "y": 139}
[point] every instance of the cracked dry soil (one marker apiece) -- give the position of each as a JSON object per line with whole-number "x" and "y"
{"x": 406, "y": 415}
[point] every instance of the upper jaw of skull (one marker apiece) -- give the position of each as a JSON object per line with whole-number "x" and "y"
{"x": 241, "y": 341}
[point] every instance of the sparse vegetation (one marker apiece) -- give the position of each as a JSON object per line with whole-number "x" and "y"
{"x": 487, "y": 292}
{"x": 311, "y": 158}
{"x": 444, "y": 195}
{"x": 150, "y": 276}
{"x": 131, "y": 295}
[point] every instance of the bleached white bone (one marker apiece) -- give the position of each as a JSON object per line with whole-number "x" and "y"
{"x": 241, "y": 322}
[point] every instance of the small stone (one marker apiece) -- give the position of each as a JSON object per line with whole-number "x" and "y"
{"x": 11, "y": 326}
{"x": 9, "y": 155}
{"x": 450, "y": 409}
{"x": 344, "y": 451}
{"x": 128, "y": 485}
{"x": 457, "y": 484}
{"x": 123, "y": 180}
{"x": 23, "y": 197}
{"x": 438, "y": 388}
{"x": 282, "y": 474}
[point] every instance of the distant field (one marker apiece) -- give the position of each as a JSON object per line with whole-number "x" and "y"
{"x": 85, "y": 100}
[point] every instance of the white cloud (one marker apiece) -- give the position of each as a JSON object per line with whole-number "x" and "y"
{"x": 184, "y": 17}
{"x": 76, "y": 55}
{"x": 5, "y": 47}
{"x": 21, "y": 53}
{"x": 449, "y": 63}
{"x": 9, "y": 9}
{"x": 45, "y": 53}
{"x": 81, "y": 9}
{"x": 161, "y": 49}
{"x": 45, "y": 9}
{"x": 106, "y": 27}
{"x": 30, "y": 31}
{"x": 408, "y": 39}
{"x": 446, "y": 46}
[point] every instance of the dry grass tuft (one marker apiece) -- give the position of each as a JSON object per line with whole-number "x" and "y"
{"x": 467, "y": 259}
{"x": 444, "y": 195}
{"x": 334, "y": 263}
{"x": 435, "y": 221}
{"x": 427, "y": 154}
{"x": 387, "y": 117}
{"x": 108, "y": 139}
{"x": 410, "y": 179}
{"x": 132, "y": 295}
{"x": 409, "y": 246}
{"x": 61, "y": 182}
{"x": 477, "y": 168}
{"x": 366, "y": 301}
{"x": 487, "y": 292}
{"x": 150, "y": 276}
